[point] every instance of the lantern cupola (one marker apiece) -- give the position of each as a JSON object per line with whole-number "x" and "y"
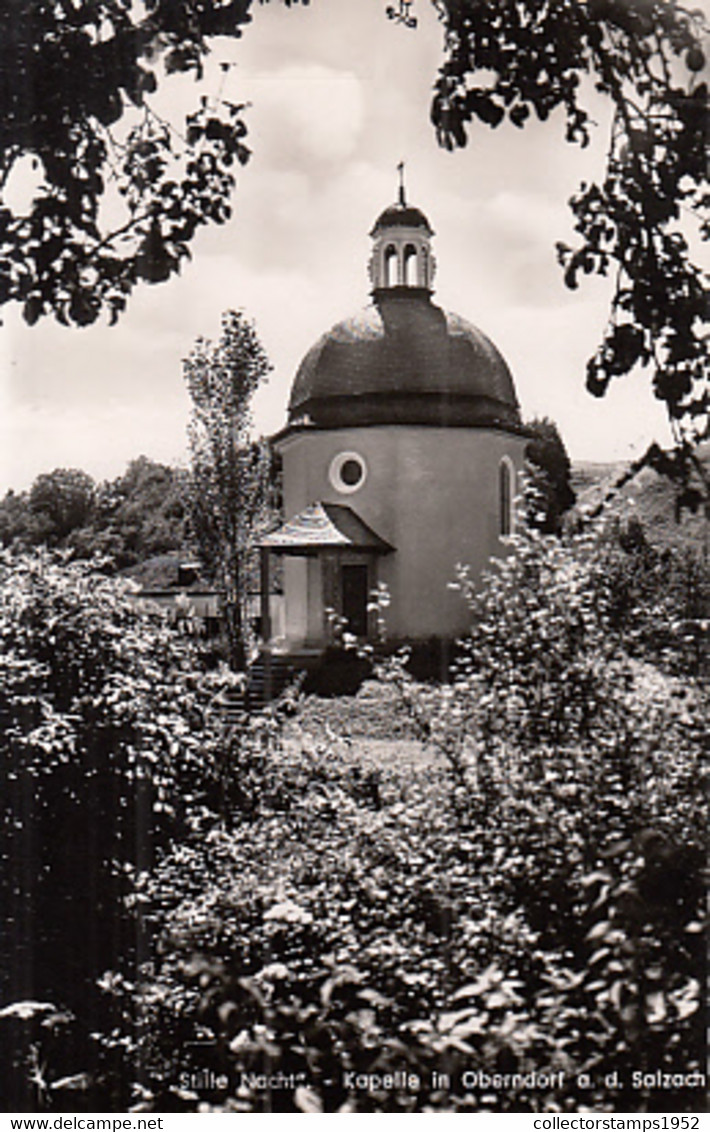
{"x": 401, "y": 253}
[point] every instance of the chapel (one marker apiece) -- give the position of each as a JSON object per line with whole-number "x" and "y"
{"x": 401, "y": 455}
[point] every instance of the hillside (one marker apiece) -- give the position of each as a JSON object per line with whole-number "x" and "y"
{"x": 649, "y": 497}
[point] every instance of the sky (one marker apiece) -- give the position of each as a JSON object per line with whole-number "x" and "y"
{"x": 338, "y": 95}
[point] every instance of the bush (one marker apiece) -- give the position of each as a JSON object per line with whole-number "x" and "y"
{"x": 512, "y": 923}
{"x": 659, "y": 600}
{"x": 538, "y": 920}
{"x": 109, "y": 739}
{"x": 316, "y": 937}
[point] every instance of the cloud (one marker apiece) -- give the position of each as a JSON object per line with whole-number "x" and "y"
{"x": 304, "y": 113}
{"x": 547, "y": 350}
{"x": 99, "y": 439}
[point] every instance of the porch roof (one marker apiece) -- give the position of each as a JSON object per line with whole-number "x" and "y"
{"x": 325, "y": 526}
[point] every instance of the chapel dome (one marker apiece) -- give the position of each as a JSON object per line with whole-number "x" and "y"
{"x": 403, "y": 360}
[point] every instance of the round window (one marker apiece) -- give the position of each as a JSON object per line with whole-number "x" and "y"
{"x": 351, "y": 473}
{"x": 347, "y": 472}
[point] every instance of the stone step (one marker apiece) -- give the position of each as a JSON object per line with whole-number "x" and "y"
{"x": 268, "y": 678}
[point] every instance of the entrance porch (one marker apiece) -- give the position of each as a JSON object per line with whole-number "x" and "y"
{"x": 330, "y": 568}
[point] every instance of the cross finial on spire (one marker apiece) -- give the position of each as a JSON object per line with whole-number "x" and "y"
{"x": 400, "y": 170}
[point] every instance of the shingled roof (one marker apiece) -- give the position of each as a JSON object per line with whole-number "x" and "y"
{"x": 325, "y": 526}
{"x": 404, "y": 360}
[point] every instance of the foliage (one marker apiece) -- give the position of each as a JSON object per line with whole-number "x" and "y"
{"x": 138, "y": 515}
{"x": 127, "y": 520}
{"x": 514, "y": 59}
{"x": 310, "y": 935}
{"x": 18, "y": 525}
{"x": 523, "y": 900}
{"x": 360, "y": 921}
{"x": 118, "y": 192}
{"x": 57, "y": 504}
{"x": 659, "y": 599}
{"x": 549, "y": 471}
{"x": 230, "y": 487}
{"x": 526, "y": 901}
{"x": 556, "y": 625}
{"x": 63, "y": 499}
{"x": 109, "y": 734}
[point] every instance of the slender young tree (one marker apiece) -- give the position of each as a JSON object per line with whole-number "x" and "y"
{"x": 230, "y": 471}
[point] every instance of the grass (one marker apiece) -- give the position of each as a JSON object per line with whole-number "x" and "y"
{"x": 375, "y": 712}
{"x": 371, "y": 729}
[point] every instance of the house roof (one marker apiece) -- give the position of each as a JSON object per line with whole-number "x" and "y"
{"x": 325, "y": 526}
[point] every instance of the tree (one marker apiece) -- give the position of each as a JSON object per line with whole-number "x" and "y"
{"x": 230, "y": 473}
{"x": 109, "y": 733}
{"x": 138, "y": 515}
{"x": 518, "y": 57}
{"x": 127, "y": 520}
{"x": 549, "y": 470}
{"x": 64, "y": 499}
{"x": 16, "y": 519}
{"x": 109, "y": 209}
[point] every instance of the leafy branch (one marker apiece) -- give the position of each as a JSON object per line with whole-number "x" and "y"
{"x": 69, "y": 73}
{"x": 519, "y": 57}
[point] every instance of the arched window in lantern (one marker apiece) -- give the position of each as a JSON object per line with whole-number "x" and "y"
{"x": 409, "y": 274}
{"x": 390, "y": 266}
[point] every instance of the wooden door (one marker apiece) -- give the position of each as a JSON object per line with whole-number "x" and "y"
{"x": 354, "y": 590}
